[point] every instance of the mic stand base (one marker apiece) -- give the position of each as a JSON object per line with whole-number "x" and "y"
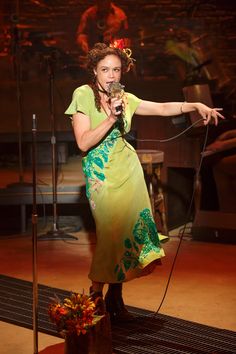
{"x": 56, "y": 234}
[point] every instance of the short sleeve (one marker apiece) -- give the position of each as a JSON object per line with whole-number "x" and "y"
{"x": 134, "y": 102}
{"x": 81, "y": 100}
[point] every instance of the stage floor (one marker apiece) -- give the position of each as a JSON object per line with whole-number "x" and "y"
{"x": 201, "y": 290}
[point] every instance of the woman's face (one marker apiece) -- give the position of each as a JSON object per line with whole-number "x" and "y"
{"x": 108, "y": 70}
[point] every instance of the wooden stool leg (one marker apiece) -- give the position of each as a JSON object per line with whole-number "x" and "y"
{"x": 160, "y": 200}
{"x": 152, "y": 198}
{"x": 162, "y": 210}
{"x": 149, "y": 174}
{"x": 151, "y": 161}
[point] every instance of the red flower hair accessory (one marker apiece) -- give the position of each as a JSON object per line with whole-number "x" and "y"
{"x": 120, "y": 44}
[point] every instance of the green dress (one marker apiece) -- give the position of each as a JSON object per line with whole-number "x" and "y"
{"x": 127, "y": 238}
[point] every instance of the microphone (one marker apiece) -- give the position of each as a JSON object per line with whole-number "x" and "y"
{"x": 115, "y": 89}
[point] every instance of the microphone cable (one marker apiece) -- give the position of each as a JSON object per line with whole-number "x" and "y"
{"x": 184, "y": 228}
{"x": 166, "y": 140}
{"x": 146, "y": 321}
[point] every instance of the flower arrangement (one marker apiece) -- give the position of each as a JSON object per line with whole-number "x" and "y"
{"x": 74, "y": 315}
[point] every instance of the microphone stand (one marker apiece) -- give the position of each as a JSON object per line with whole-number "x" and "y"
{"x": 16, "y": 60}
{"x": 17, "y": 71}
{"x": 54, "y": 233}
{"x": 34, "y": 239}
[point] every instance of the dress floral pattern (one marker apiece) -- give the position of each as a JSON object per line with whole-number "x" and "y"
{"x": 127, "y": 238}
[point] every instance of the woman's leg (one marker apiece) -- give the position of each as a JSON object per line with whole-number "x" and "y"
{"x": 96, "y": 294}
{"x": 96, "y": 287}
{"x": 115, "y": 304}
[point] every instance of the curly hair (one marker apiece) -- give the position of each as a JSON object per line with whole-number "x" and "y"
{"x": 97, "y": 53}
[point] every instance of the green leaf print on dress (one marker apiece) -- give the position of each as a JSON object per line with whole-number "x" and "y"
{"x": 145, "y": 241}
{"x": 94, "y": 163}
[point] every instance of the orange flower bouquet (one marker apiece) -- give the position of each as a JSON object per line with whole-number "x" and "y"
{"x": 74, "y": 315}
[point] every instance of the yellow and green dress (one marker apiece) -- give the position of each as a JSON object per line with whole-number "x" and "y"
{"x": 127, "y": 238}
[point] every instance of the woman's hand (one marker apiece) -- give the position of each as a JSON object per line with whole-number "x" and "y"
{"x": 208, "y": 113}
{"x": 116, "y": 106}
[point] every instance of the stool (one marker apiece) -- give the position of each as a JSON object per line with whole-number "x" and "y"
{"x": 152, "y": 161}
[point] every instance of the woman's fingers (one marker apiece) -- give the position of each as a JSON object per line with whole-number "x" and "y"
{"x": 212, "y": 114}
{"x": 116, "y": 106}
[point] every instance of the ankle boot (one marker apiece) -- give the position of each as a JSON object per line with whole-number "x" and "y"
{"x": 115, "y": 304}
{"x": 97, "y": 297}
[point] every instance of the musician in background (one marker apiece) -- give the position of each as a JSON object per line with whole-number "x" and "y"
{"x": 103, "y": 22}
